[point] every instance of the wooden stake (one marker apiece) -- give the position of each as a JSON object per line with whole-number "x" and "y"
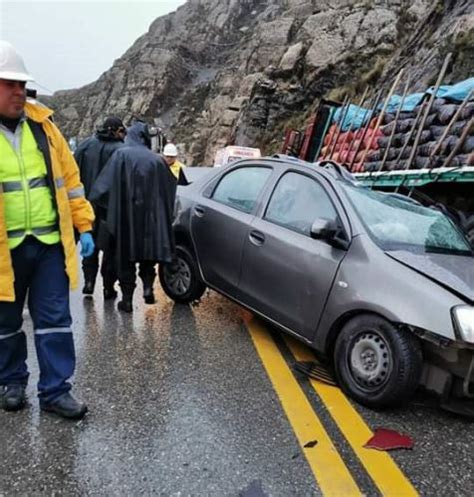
{"x": 460, "y": 142}
{"x": 449, "y": 127}
{"x": 368, "y": 115}
{"x": 341, "y": 123}
{"x": 356, "y": 115}
{"x": 379, "y": 120}
{"x": 329, "y": 147}
{"x": 411, "y": 133}
{"x": 397, "y": 116}
{"x": 428, "y": 109}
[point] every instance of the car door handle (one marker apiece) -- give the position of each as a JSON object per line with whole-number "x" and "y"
{"x": 199, "y": 210}
{"x": 257, "y": 238}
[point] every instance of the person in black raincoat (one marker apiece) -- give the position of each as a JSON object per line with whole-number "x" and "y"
{"x": 91, "y": 156}
{"x": 138, "y": 191}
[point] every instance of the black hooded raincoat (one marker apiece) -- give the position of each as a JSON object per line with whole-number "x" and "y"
{"x": 138, "y": 191}
{"x": 92, "y": 154}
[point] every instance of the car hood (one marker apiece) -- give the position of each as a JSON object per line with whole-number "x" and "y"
{"x": 455, "y": 272}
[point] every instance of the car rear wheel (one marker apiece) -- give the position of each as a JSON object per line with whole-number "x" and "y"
{"x": 180, "y": 279}
{"x": 376, "y": 363}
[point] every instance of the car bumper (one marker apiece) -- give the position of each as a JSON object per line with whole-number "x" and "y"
{"x": 448, "y": 371}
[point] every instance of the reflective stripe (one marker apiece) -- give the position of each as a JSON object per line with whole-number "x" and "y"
{"x": 4, "y": 337}
{"x": 47, "y": 331}
{"x": 44, "y": 230}
{"x": 12, "y": 186}
{"x": 15, "y": 233}
{"x": 59, "y": 182}
{"x": 16, "y": 186}
{"x": 38, "y": 182}
{"x": 76, "y": 192}
{"x": 34, "y": 205}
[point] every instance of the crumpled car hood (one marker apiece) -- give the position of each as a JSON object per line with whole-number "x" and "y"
{"x": 453, "y": 271}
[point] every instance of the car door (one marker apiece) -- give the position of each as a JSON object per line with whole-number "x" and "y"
{"x": 220, "y": 222}
{"x": 286, "y": 274}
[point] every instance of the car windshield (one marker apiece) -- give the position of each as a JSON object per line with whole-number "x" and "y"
{"x": 397, "y": 223}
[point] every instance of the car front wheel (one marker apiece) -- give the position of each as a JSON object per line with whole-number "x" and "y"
{"x": 376, "y": 363}
{"x": 180, "y": 279}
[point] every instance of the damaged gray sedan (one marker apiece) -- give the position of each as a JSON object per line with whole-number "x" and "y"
{"x": 376, "y": 283}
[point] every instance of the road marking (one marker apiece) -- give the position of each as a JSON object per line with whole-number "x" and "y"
{"x": 330, "y": 471}
{"x": 383, "y": 470}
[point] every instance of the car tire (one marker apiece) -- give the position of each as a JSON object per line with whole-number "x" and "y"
{"x": 180, "y": 279}
{"x": 376, "y": 363}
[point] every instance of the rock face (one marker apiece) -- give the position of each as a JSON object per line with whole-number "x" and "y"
{"x": 218, "y": 72}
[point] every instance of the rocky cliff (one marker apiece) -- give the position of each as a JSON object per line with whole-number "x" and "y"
{"x": 217, "y": 72}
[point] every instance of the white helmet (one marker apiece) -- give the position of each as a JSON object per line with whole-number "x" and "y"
{"x": 170, "y": 150}
{"x": 12, "y": 66}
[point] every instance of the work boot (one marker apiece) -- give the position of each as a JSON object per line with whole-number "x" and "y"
{"x": 109, "y": 293}
{"x": 90, "y": 274}
{"x": 88, "y": 288}
{"x": 65, "y": 406}
{"x": 148, "y": 294}
{"x": 12, "y": 397}
{"x": 148, "y": 280}
{"x": 125, "y": 305}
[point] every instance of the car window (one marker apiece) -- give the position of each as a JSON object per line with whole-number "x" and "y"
{"x": 241, "y": 188}
{"x": 297, "y": 202}
{"x": 398, "y": 224}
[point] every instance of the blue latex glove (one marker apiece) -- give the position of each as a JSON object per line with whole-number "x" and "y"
{"x": 87, "y": 244}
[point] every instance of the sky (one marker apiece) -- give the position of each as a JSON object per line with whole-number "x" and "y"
{"x": 69, "y": 43}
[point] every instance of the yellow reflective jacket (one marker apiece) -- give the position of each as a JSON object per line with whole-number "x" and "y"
{"x": 176, "y": 168}
{"x": 73, "y": 209}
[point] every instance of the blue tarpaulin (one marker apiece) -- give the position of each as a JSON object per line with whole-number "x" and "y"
{"x": 354, "y": 115}
{"x": 411, "y": 101}
{"x": 457, "y": 92}
{"x": 358, "y": 115}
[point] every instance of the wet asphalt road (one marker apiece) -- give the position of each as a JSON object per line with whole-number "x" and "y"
{"x": 181, "y": 404}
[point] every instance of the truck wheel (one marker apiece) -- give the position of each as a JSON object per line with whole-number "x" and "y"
{"x": 377, "y": 364}
{"x": 180, "y": 279}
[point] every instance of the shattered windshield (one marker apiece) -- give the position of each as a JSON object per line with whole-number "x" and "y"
{"x": 396, "y": 223}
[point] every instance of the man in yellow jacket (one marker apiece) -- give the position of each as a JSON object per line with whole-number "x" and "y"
{"x": 41, "y": 202}
{"x": 170, "y": 154}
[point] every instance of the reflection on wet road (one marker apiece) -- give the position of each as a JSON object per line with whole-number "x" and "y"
{"x": 203, "y": 401}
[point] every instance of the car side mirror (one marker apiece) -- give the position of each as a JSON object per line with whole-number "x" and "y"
{"x": 323, "y": 229}
{"x": 328, "y": 231}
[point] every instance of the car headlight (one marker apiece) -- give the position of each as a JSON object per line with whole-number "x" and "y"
{"x": 464, "y": 320}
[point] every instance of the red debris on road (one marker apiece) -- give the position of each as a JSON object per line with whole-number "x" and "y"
{"x": 385, "y": 439}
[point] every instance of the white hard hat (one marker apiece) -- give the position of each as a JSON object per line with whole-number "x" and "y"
{"x": 170, "y": 150}
{"x": 12, "y": 66}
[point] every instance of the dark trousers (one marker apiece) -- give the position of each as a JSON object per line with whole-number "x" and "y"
{"x": 40, "y": 273}
{"x": 90, "y": 267}
{"x": 128, "y": 273}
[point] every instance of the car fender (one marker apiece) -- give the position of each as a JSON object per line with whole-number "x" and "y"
{"x": 182, "y": 225}
{"x": 385, "y": 287}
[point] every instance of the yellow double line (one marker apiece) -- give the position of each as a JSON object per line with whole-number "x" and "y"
{"x": 329, "y": 469}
